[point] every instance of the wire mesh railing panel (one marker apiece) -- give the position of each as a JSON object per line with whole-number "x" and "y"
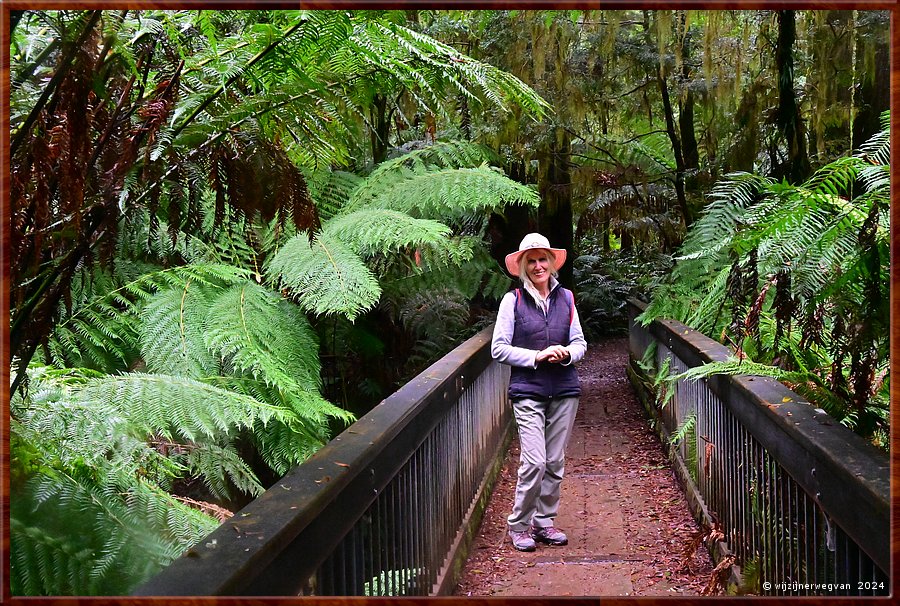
{"x": 769, "y": 488}
{"x": 402, "y": 540}
{"x": 378, "y": 511}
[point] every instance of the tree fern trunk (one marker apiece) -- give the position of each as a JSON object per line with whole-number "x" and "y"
{"x": 686, "y": 115}
{"x": 508, "y": 229}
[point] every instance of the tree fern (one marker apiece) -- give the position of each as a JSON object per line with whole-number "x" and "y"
{"x": 447, "y": 192}
{"x": 434, "y": 61}
{"x": 325, "y": 276}
{"x": 100, "y": 544}
{"x": 82, "y": 451}
{"x": 331, "y": 190}
{"x": 443, "y": 154}
{"x": 381, "y": 231}
{"x": 172, "y": 328}
{"x": 283, "y": 447}
{"x": 828, "y": 240}
{"x": 222, "y": 469}
{"x": 98, "y": 325}
{"x": 178, "y": 407}
{"x": 269, "y": 339}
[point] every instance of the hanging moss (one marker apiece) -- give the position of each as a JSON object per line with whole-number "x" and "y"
{"x": 608, "y": 41}
{"x": 680, "y": 34}
{"x": 663, "y": 33}
{"x": 709, "y": 41}
{"x": 538, "y": 48}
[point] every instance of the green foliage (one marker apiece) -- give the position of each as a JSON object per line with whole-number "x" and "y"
{"x": 823, "y": 249}
{"x": 101, "y": 332}
{"x": 325, "y": 275}
{"x": 394, "y": 215}
{"x": 688, "y": 426}
{"x": 605, "y": 281}
{"x": 229, "y": 362}
{"x": 444, "y": 192}
{"x": 427, "y": 68}
{"x": 383, "y": 231}
{"x": 392, "y": 582}
{"x": 89, "y": 510}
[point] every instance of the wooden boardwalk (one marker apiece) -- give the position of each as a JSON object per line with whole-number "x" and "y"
{"x": 629, "y": 527}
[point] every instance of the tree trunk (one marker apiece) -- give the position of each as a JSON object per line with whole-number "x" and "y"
{"x": 555, "y": 213}
{"x": 788, "y": 119}
{"x": 874, "y": 93}
{"x": 507, "y": 230}
{"x": 689, "y": 148}
{"x": 676, "y": 147}
{"x": 686, "y": 104}
{"x": 670, "y": 130}
{"x": 380, "y": 128}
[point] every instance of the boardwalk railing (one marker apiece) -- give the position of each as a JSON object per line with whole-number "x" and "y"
{"x": 802, "y": 502}
{"x": 386, "y": 508}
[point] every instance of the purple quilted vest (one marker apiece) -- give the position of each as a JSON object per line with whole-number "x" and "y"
{"x": 534, "y": 330}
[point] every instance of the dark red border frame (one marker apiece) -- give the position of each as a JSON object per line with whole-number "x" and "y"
{"x": 6, "y": 5}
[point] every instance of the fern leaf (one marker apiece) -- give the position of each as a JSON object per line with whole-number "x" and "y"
{"x": 264, "y": 338}
{"x": 172, "y": 332}
{"x": 381, "y": 231}
{"x": 450, "y": 193}
{"x": 173, "y": 405}
{"x": 325, "y": 276}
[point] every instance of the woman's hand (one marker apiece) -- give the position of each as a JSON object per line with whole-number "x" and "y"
{"x": 553, "y": 354}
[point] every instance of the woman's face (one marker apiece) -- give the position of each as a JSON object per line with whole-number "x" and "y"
{"x": 537, "y": 266}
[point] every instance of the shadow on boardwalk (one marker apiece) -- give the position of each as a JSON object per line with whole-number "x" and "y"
{"x": 626, "y": 517}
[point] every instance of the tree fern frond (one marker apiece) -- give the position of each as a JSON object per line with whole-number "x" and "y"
{"x": 90, "y": 521}
{"x": 179, "y": 406}
{"x": 325, "y": 276}
{"x": 261, "y": 337}
{"x": 450, "y": 193}
{"x": 656, "y": 148}
{"x": 310, "y": 409}
{"x": 222, "y": 468}
{"x": 497, "y": 86}
{"x": 709, "y": 308}
{"x": 723, "y": 218}
{"x": 381, "y": 231}
{"x": 102, "y": 331}
{"x": 69, "y": 432}
{"x": 283, "y": 448}
{"x": 172, "y": 332}
{"x": 44, "y": 564}
{"x": 734, "y": 366}
{"x": 435, "y": 312}
{"x": 877, "y": 149}
{"x": 332, "y": 190}
{"x": 442, "y": 154}
{"x": 147, "y": 284}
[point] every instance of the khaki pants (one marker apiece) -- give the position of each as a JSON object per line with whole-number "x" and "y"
{"x": 544, "y": 429}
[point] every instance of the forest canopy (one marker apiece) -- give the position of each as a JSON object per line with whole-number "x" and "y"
{"x": 227, "y": 228}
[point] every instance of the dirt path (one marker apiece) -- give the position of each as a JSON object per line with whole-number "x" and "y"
{"x": 625, "y": 515}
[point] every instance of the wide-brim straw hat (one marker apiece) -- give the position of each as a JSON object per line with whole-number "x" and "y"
{"x": 531, "y": 242}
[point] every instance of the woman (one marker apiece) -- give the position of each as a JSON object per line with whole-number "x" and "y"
{"x": 539, "y": 334}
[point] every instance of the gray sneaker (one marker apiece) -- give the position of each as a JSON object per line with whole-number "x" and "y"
{"x": 549, "y": 535}
{"x": 521, "y": 540}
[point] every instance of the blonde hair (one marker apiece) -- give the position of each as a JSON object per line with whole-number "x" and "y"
{"x": 523, "y": 265}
